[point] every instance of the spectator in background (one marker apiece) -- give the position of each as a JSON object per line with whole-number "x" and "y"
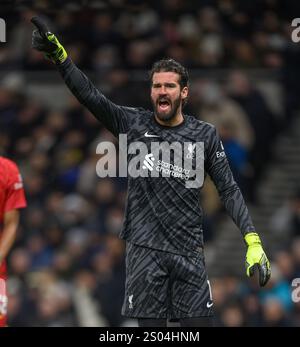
{"x": 278, "y": 289}
{"x": 296, "y": 256}
{"x": 232, "y": 315}
{"x": 274, "y": 314}
{"x": 260, "y": 118}
{"x": 216, "y": 108}
{"x": 286, "y": 220}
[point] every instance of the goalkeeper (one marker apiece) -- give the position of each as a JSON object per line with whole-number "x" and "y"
{"x": 165, "y": 268}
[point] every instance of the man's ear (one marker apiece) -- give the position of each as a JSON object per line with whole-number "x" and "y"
{"x": 184, "y": 92}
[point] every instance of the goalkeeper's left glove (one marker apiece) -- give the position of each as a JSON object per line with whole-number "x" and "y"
{"x": 256, "y": 258}
{"x": 43, "y": 40}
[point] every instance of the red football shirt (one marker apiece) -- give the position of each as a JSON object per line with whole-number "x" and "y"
{"x": 12, "y": 194}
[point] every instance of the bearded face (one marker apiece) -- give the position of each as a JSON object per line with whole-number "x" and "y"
{"x": 167, "y": 95}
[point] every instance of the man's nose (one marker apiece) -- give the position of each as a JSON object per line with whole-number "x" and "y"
{"x": 162, "y": 90}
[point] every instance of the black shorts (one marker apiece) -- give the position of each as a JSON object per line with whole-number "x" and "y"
{"x": 165, "y": 285}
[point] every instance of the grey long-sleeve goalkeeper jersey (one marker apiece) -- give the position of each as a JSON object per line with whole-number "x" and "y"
{"x": 162, "y": 212}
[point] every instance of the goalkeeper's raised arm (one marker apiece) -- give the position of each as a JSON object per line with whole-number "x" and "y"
{"x": 115, "y": 118}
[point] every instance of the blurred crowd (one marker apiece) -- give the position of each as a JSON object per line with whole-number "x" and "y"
{"x": 67, "y": 266}
{"x": 242, "y": 304}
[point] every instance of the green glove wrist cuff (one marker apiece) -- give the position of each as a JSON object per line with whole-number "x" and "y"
{"x": 252, "y": 238}
{"x": 59, "y": 55}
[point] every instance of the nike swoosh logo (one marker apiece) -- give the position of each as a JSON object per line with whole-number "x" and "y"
{"x": 150, "y": 135}
{"x": 209, "y": 304}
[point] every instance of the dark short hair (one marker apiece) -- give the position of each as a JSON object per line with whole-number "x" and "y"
{"x": 171, "y": 65}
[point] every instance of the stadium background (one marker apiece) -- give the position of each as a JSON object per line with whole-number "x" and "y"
{"x": 67, "y": 265}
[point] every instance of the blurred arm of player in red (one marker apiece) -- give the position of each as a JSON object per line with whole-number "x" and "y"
{"x": 12, "y": 198}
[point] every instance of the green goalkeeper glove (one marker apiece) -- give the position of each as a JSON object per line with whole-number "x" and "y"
{"x": 44, "y": 41}
{"x": 257, "y": 259}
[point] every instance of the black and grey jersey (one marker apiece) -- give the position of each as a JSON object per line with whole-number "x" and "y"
{"x": 162, "y": 211}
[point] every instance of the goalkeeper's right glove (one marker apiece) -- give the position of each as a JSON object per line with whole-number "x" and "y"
{"x": 44, "y": 41}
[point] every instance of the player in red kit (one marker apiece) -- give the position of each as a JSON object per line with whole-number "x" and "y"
{"x": 12, "y": 198}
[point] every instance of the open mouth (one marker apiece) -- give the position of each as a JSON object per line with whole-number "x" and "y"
{"x": 164, "y": 105}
